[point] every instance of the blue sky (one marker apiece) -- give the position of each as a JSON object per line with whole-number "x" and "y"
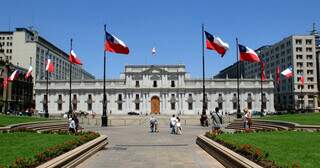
{"x": 172, "y": 26}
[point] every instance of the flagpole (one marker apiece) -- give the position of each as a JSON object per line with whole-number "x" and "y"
{"x": 203, "y": 82}
{"x": 238, "y": 89}
{"x": 70, "y": 76}
{"x": 46, "y": 114}
{"x": 261, "y": 91}
{"x": 104, "y": 117}
{"x": 7, "y": 88}
{"x": 292, "y": 91}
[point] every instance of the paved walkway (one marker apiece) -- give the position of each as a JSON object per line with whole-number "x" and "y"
{"x": 135, "y": 147}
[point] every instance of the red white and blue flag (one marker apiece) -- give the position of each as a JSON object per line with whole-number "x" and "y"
{"x": 215, "y": 43}
{"x": 278, "y": 74}
{"x": 247, "y": 54}
{"x": 49, "y": 66}
{"x": 301, "y": 79}
{"x": 74, "y": 58}
{"x": 115, "y": 45}
{"x": 263, "y": 76}
{"x": 13, "y": 75}
{"x": 288, "y": 73}
{"x": 29, "y": 72}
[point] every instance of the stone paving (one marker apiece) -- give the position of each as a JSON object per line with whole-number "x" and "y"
{"x": 136, "y": 147}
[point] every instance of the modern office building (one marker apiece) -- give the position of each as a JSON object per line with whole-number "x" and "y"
{"x": 154, "y": 89}
{"x": 298, "y": 51}
{"x": 232, "y": 71}
{"x": 24, "y": 47}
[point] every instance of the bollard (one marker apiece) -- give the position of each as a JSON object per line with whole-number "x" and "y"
{"x": 185, "y": 121}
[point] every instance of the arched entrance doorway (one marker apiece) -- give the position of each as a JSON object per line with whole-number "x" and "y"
{"x": 155, "y": 105}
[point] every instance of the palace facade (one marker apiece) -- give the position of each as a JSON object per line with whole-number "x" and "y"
{"x": 155, "y": 89}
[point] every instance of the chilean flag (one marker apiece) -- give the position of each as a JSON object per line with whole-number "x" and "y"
{"x": 247, "y": 54}
{"x": 215, "y": 43}
{"x": 28, "y": 73}
{"x": 49, "y": 66}
{"x": 301, "y": 79}
{"x": 278, "y": 74}
{"x": 263, "y": 76}
{"x": 288, "y": 73}
{"x": 73, "y": 58}
{"x": 115, "y": 45}
{"x": 13, "y": 75}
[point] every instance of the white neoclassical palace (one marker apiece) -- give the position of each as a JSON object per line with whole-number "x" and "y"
{"x": 157, "y": 89}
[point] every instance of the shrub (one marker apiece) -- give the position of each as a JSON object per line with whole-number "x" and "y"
{"x": 54, "y": 151}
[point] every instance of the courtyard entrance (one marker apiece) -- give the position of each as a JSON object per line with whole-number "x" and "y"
{"x": 155, "y": 105}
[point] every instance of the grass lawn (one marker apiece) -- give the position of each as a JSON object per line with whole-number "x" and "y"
{"x": 8, "y": 120}
{"x": 24, "y": 144}
{"x": 305, "y": 118}
{"x": 284, "y": 147}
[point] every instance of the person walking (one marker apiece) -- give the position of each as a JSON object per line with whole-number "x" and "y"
{"x": 173, "y": 122}
{"x": 152, "y": 123}
{"x": 72, "y": 126}
{"x": 245, "y": 118}
{"x": 178, "y": 125}
{"x": 216, "y": 121}
{"x": 249, "y": 119}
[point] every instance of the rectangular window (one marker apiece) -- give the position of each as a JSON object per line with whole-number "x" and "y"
{"x": 190, "y": 106}
{"x": 120, "y": 97}
{"x": 59, "y": 107}
{"x": 137, "y": 106}
{"x": 89, "y": 106}
{"x": 299, "y": 49}
{"x": 249, "y": 105}
{"x": 234, "y": 105}
{"x": 299, "y": 56}
{"x": 173, "y": 84}
{"x": 173, "y": 106}
{"x": 309, "y": 56}
{"x": 119, "y": 106}
{"x": 155, "y": 84}
{"x": 137, "y": 84}
{"x": 298, "y": 41}
{"x": 309, "y": 49}
{"x": 220, "y": 105}
{"x": 309, "y": 64}
{"x": 308, "y": 41}
{"x": 75, "y": 106}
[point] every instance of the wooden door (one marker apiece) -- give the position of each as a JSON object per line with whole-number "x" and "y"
{"x": 155, "y": 105}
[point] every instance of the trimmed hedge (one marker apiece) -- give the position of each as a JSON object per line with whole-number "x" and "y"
{"x": 51, "y": 152}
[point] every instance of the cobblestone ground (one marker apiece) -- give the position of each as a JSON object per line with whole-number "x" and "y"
{"x": 136, "y": 147}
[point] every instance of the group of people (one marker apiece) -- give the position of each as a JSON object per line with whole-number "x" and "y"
{"x": 174, "y": 122}
{"x": 73, "y": 124}
{"x": 175, "y": 125}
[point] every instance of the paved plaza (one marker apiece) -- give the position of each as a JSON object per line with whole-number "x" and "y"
{"x": 136, "y": 147}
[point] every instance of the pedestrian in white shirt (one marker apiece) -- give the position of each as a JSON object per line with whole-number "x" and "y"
{"x": 173, "y": 122}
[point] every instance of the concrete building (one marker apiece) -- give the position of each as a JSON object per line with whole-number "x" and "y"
{"x": 156, "y": 89}
{"x": 298, "y": 51}
{"x": 17, "y": 95}
{"x": 23, "y": 47}
{"x": 231, "y": 71}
